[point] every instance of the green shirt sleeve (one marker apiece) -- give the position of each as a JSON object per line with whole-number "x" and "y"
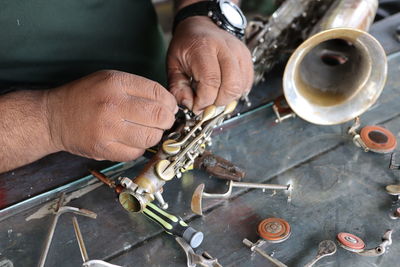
{"x": 55, "y": 41}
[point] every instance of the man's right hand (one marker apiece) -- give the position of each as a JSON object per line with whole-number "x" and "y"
{"x": 109, "y": 115}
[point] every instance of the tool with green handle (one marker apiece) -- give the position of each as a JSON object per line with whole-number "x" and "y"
{"x": 172, "y": 224}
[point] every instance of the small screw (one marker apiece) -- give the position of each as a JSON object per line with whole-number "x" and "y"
{"x": 397, "y": 213}
{"x": 393, "y": 164}
{"x": 397, "y": 33}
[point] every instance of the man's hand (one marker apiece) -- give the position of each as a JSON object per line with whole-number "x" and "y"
{"x": 109, "y": 115}
{"x": 217, "y": 64}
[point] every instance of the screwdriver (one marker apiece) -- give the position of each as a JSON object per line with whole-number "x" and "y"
{"x": 172, "y": 224}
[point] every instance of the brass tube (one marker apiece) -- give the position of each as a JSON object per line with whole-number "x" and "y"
{"x": 356, "y": 14}
{"x": 340, "y": 71}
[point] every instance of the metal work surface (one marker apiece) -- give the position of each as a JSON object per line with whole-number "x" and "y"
{"x": 336, "y": 188}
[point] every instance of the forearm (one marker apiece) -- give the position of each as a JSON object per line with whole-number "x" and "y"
{"x": 24, "y": 134}
{"x": 179, "y": 4}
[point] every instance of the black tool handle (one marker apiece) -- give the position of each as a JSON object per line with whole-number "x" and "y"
{"x": 174, "y": 225}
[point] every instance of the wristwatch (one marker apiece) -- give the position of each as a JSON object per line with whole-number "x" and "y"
{"x": 224, "y": 13}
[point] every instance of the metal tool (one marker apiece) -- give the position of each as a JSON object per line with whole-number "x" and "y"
{"x": 106, "y": 180}
{"x": 372, "y": 138}
{"x": 82, "y": 248}
{"x": 271, "y": 230}
{"x": 59, "y": 210}
{"x": 79, "y": 237}
{"x": 325, "y": 248}
{"x": 199, "y": 193}
{"x": 99, "y": 263}
{"x": 356, "y": 245}
{"x": 255, "y": 247}
{"x": 172, "y": 224}
{"x": 194, "y": 259}
{"x": 218, "y": 167}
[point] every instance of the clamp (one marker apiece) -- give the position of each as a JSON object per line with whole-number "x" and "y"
{"x": 272, "y": 230}
{"x": 194, "y": 259}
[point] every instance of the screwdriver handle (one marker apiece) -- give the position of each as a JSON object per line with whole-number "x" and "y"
{"x": 174, "y": 225}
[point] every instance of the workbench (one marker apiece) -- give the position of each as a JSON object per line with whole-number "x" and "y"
{"x": 337, "y": 187}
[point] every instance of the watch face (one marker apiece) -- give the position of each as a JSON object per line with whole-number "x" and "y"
{"x": 233, "y": 14}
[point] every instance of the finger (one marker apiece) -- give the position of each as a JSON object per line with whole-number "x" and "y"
{"x": 138, "y": 136}
{"x": 247, "y": 67}
{"x": 179, "y": 85}
{"x": 147, "y": 112}
{"x": 232, "y": 82}
{"x": 121, "y": 152}
{"x": 138, "y": 86}
{"x": 207, "y": 75}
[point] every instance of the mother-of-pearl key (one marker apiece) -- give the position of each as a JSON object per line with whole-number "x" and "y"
{"x": 393, "y": 189}
{"x": 325, "y": 248}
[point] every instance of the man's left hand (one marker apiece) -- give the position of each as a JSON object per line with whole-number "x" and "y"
{"x": 215, "y": 63}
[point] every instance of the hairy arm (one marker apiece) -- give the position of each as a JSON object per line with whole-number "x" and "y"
{"x": 109, "y": 115}
{"x": 24, "y": 134}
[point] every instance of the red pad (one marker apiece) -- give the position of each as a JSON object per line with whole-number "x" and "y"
{"x": 378, "y": 139}
{"x": 350, "y": 241}
{"x": 274, "y": 229}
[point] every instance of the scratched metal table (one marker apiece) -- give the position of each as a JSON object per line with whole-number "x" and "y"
{"x": 337, "y": 188}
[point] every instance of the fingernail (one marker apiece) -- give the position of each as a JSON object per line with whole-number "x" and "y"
{"x": 187, "y": 103}
{"x": 176, "y": 109}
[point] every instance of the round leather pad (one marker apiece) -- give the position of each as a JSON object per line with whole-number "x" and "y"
{"x": 350, "y": 241}
{"x": 274, "y": 230}
{"x": 378, "y": 139}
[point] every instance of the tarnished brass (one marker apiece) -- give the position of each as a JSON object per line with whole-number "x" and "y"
{"x": 230, "y": 107}
{"x": 171, "y": 150}
{"x": 133, "y": 202}
{"x": 162, "y": 171}
{"x": 340, "y": 71}
{"x": 208, "y": 113}
{"x": 176, "y": 156}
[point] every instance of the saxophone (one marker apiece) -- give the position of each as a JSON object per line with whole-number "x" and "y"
{"x": 271, "y": 40}
{"x": 176, "y": 156}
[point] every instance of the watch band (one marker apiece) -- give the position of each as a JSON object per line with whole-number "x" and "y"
{"x": 196, "y": 9}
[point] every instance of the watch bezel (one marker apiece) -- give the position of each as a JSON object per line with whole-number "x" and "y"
{"x": 213, "y": 9}
{"x": 237, "y": 9}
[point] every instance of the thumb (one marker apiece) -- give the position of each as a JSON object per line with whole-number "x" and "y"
{"x": 179, "y": 86}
